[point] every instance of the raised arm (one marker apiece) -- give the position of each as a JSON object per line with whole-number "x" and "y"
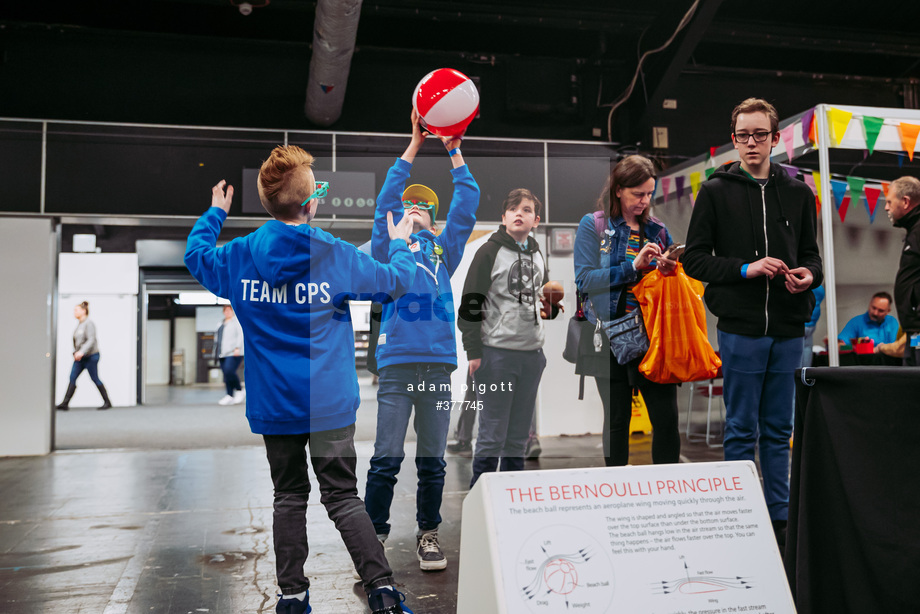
{"x": 207, "y": 263}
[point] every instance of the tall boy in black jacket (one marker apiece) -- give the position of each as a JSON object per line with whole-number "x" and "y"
{"x": 752, "y": 237}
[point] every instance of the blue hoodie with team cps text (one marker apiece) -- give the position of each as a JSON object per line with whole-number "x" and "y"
{"x": 286, "y": 284}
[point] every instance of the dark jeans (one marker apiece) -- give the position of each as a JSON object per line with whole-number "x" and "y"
{"x": 90, "y": 363}
{"x": 229, "y": 365}
{"x": 432, "y": 422}
{"x": 333, "y": 456}
{"x": 661, "y": 402}
{"x": 759, "y": 390}
{"x": 509, "y": 380}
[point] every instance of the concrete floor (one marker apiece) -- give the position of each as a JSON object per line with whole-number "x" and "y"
{"x": 137, "y": 517}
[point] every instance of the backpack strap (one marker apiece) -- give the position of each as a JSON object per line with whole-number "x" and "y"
{"x": 600, "y": 223}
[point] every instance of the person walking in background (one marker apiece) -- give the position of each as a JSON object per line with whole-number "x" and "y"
{"x": 753, "y": 239}
{"x": 85, "y": 356}
{"x": 614, "y": 248}
{"x": 228, "y": 346}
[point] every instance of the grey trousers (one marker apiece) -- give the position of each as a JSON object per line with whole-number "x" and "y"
{"x": 333, "y": 456}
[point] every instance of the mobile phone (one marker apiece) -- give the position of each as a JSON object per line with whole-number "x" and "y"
{"x": 674, "y": 252}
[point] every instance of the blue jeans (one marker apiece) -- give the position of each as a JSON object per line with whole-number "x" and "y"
{"x": 229, "y": 365}
{"x": 397, "y": 393}
{"x": 91, "y": 364}
{"x": 507, "y": 382}
{"x": 759, "y": 393}
{"x": 333, "y": 456}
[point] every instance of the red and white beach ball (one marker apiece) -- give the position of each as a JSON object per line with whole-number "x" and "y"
{"x": 447, "y": 101}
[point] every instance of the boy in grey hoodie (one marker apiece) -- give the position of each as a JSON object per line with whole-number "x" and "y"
{"x": 502, "y": 331}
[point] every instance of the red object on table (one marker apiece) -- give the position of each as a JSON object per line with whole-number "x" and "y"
{"x": 867, "y": 347}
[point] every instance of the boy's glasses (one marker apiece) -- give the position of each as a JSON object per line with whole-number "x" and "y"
{"x": 421, "y": 204}
{"x": 759, "y": 137}
{"x": 322, "y": 188}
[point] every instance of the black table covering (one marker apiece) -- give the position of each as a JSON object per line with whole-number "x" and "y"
{"x": 853, "y": 540}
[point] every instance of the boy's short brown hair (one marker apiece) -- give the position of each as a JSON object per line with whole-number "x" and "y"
{"x": 515, "y": 197}
{"x": 282, "y": 184}
{"x": 756, "y": 105}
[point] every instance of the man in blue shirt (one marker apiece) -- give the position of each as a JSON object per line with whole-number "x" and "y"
{"x": 875, "y": 324}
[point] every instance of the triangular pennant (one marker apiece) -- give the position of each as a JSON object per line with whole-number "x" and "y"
{"x": 712, "y": 152}
{"x": 326, "y": 88}
{"x": 909, "y": 134}
{"x": 694, "y": 185}
{"x": 842, "y": 209}
{"x": 872, "y": 126}
{"x": 813, "y": 133}
{"x": 856, "y": 185}
{"x": 807, "y": 121}
{"x": 885, "y": 185}
{"x": 900, "y": 160}
{"x": 788, "y": 134}
{"x": 872, "y": 195}
{"x": 679, "y": 183}
{"x": 839, "y": 120}
{"x": 810, "y": 180}
{"x": 839, "y": 189}
{"x": 710, "y": 171}
{"x": 665, "y": 187}
{"x": 792, "y": 171}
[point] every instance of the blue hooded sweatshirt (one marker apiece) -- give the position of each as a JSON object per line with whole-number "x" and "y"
{"x": 418, "y": 326}
{"x": 283, "y": 282}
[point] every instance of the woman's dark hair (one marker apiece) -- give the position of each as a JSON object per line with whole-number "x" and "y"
{"x": 85, "y": 307}
{"x": 628, "y": 173}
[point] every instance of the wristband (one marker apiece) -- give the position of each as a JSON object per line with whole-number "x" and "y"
{"x": 744, "y": 268}
{"x": 453, "y": 152}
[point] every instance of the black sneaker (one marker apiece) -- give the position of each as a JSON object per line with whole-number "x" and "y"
{"x": 428, "y": 550}
{"x": 294, "y": 606}
{"x": 387, "y": 601}
{"x": 461, "y": 448}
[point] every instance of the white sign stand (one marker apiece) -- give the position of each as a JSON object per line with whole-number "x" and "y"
{"x": 658, "y": 539}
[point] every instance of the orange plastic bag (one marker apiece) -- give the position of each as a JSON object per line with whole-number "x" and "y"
{"x": 675, "y": 319}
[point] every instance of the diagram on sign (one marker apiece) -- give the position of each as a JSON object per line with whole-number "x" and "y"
{"x": 564, "y": 567}
{"x": 700, "y": 582}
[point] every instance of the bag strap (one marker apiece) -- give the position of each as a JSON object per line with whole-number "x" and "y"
{"x": 600, "y": 223}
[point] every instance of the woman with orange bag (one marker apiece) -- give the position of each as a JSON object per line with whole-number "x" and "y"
{"x": 614, "y": 248}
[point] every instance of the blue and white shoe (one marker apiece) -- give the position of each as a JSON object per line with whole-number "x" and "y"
{"x": 294, "y": 606}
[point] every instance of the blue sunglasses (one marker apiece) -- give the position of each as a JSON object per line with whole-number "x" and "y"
{"x": 322, "y": 188}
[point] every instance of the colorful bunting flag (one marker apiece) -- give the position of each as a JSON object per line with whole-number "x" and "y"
{"x": 807, "y": 121}
{"x": 839, "y": 189}
{"x": 856, "y": 185}
{"x": 885, "y": 185}
{"x": 813, "y": 133}
{"x": 694, "y": 186}
{"x": 909, "y": 134}
{"x": 839, "y": 120}
{"x": 811, "y": 179}
{"x": 872, "y": 195}
{"x": 842, "y": 209}
{"x": 679, "y": 181}
{"x": 792, "y": 171}
{"x": 872, "y": 126}
{"x": 789, "y": 141}
{"x": 712, "y": 152}
{"x": 666, "y": 187}
{"x": 710, "y": 171}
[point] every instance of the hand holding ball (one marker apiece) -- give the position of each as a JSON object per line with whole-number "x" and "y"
{"x": 551, "y": 301}
{"x": 446, "y": 101}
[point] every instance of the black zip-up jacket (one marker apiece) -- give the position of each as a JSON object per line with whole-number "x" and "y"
{"x": 907, "y": 281}
{"x": 736, "y": 221}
